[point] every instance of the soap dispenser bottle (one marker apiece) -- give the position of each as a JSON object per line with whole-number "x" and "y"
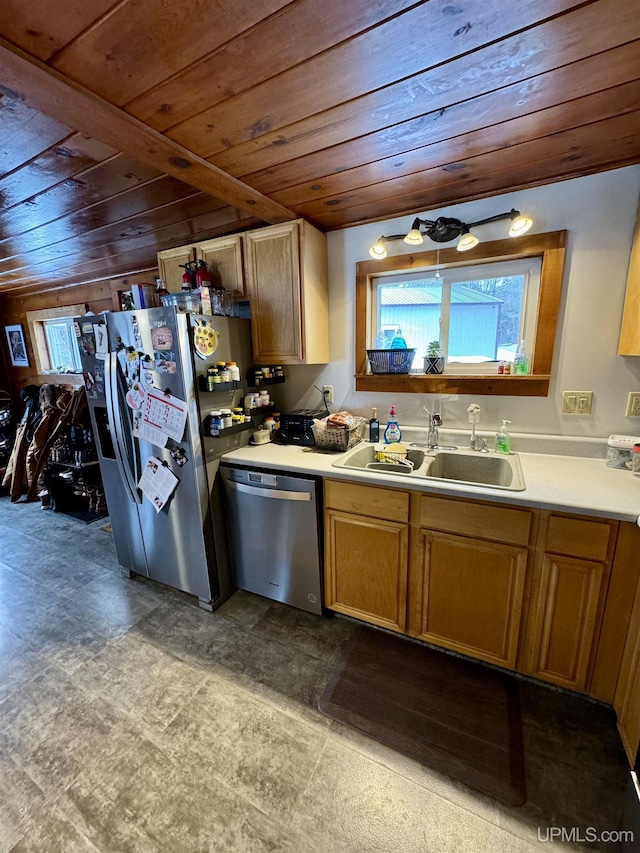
{"x": 392, "y": 432}
{"x": 503, "y": 439}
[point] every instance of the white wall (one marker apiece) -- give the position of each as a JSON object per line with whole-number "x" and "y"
{"x": 599, "y": 213}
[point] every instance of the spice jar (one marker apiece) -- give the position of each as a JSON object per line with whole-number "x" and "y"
{"x": 269, "y": 423}
{"x": 234, "y": 371}
{"x": 264, "y": 398}
{"x": 212, "y": 373}
{"x": 215, "y": 422}
{"x": 227, "y": 420}
{"x": 237, "y": 415}
{"x": 223, "y": 370}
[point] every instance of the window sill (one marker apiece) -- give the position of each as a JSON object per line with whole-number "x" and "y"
{"x": 73, "y": 380}
{"x": 406, "y": 383}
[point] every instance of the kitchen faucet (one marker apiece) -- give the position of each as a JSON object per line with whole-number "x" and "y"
{"x": 435, "y": 421}
{"x": 432, "y": 443}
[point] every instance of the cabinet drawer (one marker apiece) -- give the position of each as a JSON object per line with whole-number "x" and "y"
{"x": 578, "y": 537}
{"x": 367, "y": 500}
{"x": 471, "y": 518}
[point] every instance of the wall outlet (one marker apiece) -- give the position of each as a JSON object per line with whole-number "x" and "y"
{"x": 578, "y": 402}
{"x": 327, "y": 390}
{"x": 633, "y": 405}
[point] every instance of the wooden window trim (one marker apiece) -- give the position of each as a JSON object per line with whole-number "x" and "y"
{"x": 550, "y": 247}
{"x": 35, "y": 322}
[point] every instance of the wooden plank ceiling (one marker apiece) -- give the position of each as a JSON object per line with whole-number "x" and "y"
{"x": 131, "y": 126}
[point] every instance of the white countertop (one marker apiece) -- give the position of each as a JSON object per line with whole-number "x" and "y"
{"x": 565, "y": 483}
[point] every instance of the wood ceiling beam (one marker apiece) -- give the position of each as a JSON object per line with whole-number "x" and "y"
{"x": 54, "y": 94}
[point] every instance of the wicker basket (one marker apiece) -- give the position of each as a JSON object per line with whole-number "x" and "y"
{"x": 390, "y": 360}
{"x": 338, "y": 439}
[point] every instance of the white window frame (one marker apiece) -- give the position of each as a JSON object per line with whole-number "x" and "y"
{"x": 458, "y": 273}
{"x": 67, "y": 322}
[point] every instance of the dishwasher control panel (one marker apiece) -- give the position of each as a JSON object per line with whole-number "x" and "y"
{"x": 263, "y": 479}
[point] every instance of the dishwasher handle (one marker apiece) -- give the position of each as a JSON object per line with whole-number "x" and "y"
{"x": 274, "y": 494}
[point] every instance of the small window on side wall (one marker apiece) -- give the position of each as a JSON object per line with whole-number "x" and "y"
{"x": 479, "y": 311}
{"x": 55, "y": 343}
{"x": 62, "y": 345}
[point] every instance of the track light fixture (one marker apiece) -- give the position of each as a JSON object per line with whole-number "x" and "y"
{"x": 444, "y": 229}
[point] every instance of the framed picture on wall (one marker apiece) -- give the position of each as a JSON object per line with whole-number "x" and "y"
{"x": 17, "y": 346}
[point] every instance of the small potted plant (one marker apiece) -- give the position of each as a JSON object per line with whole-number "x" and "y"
{"x": 433, "y": 360}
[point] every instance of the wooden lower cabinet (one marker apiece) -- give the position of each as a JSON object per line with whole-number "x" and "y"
{"x": 627, "y": 697}
{"x": 544, "y": 593}
{"x": 471, "y": 595}
{"x": 366, "y": 568}
{"x": 566, "y": 618}
{"x": 570, "y": 586}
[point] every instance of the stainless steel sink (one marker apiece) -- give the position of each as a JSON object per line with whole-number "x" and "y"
{"x": 364, "y": 456}
{"x": 459, "y": 466}
{"x": 499, "y": 472}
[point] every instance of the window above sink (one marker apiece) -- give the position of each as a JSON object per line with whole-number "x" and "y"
{"x": 535, "y": 262}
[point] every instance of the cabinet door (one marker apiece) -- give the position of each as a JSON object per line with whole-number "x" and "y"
{"x": 565, "y": 620}
{"x": 273, "y": 286}
{"x": 169, "y": 262}
{"x": 366, "y": 568}
{"x": 471, "y": 595}
{"x": 223, "y": 257}
{"x": 627, "y": 696}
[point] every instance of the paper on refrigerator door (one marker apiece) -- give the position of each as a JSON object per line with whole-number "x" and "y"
{"x": 163, "y": 413}
{"x": 157, "y": 483}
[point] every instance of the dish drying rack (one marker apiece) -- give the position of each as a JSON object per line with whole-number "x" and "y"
{"x": 387, "y": 456}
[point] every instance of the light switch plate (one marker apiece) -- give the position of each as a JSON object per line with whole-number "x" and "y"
{"x": 633, "y": 405}
{"x": 577, "y": 402}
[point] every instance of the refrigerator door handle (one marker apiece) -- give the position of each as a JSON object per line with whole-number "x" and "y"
{"x": 115, "y": 419}
{"x": 276, "y": 494}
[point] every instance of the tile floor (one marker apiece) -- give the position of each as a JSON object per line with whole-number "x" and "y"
{"x": 130, "y": 720}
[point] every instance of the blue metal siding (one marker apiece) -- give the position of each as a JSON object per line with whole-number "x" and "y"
{"x": 473, "y": 328}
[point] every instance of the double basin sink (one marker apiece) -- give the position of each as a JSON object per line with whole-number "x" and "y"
{"x": 472, "y": 468}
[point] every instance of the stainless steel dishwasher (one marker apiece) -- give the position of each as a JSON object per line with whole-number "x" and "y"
{"x": 274, "y": 535}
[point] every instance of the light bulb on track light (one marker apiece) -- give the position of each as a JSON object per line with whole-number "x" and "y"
{"x": 378, "y": 250}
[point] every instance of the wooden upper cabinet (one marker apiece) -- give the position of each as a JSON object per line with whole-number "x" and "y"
{"x": 169, "y": 262}
{"x": 286, "y": 278}
{"x": 223, "y": 257}
{"x": 629, "y": 343}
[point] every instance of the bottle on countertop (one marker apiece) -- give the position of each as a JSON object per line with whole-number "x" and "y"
{"x": 374, "y": 426}
{"x": 392, "y": 432}
{"x": 503, "y": 439}
{"x": 398, "y": 341}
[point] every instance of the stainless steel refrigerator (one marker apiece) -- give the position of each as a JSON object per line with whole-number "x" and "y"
{"x": 184, "y": 545}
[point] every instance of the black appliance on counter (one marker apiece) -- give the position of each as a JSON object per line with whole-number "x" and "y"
{"x": 295, "y": 426}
